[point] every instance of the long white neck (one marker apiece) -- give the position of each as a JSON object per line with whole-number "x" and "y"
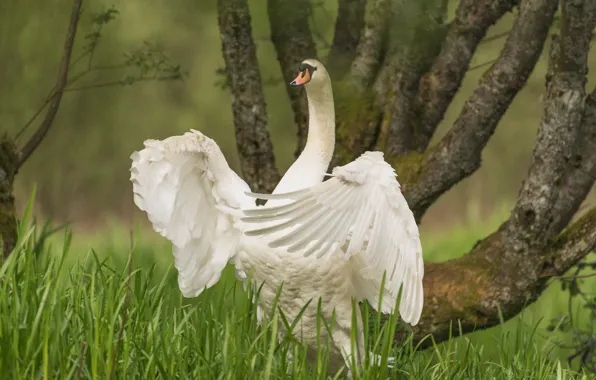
{"x": 321, "y": 122}
{"x": 310, "y": 167}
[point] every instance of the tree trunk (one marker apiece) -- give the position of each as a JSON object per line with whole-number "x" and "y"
{"x": 8, "y": 222}
{"x": 392, "y": 98}
{"x": 248, "y": 103}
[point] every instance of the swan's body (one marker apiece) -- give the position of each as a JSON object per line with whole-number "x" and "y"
{"x": 332, "y": 240}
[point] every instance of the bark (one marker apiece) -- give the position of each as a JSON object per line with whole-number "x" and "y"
{"x": 8, "y": 223}
{"x": 458, "y": 154}
{"x": 254, "y": 146}
{"x": 510, "y": 268}
{"x": 413, "y": 58}
{"x": 532, "y": 223}
{"x": 439, "y": 86}
{"x": 292, "y": 39}
{"x": 570, "y": 67}
{"x": 580, "y": 174}
{"x": 369, "y": 53}
{"x": 358, "y": 110}
{"x": 476, "y": 290}
{"x": 348, "y": 27}
{"x": 532, "y": 218}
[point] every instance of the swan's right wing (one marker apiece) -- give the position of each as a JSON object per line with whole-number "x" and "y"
{"x": 192, "y": 198}
{"x": 362, "y": 213}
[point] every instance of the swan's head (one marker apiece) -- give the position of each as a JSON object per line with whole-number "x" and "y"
{"x": 310, "y": 72}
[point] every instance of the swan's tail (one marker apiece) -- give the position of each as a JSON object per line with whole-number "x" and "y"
{"x": 377, "y": 359}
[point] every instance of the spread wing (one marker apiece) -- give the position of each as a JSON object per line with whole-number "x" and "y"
{"x": 361, "y": 212}
{"x": 192, "y": 198}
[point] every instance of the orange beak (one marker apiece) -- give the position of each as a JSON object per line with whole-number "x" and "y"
{"x": 302, "y": 78}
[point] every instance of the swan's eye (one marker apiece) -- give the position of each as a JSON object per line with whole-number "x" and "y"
{"x": 305, "y": 72}
{"x": 306, "y": 67}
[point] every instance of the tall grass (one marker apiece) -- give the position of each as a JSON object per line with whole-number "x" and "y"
{"x": 111, "y": 314}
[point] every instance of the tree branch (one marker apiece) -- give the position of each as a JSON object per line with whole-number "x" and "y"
{"x": 532, "y": 221}
{"x": 438, "y": 88}
{"x": 254, "y": 146}
{"x": 580, "y": 174}
{"x": 476, "y": 290}
{"x": 571, "y": 246}
{"x": 509, "y": 269}
{"x": 292, "y": 39}
{"x": 348, "y": 28}
{"x": 419, "y": 51}
{"x": 369, "y": 52}
{"x": 459, "y": 153}
{"x": 61, "y": 82}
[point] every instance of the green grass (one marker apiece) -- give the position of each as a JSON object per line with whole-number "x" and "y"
{"x": 70, "y": 312}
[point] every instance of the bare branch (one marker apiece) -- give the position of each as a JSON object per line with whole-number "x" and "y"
{"x": 124, "y": 82}
{"x": 54, "y": 104}
{"x": 369, "y": 52}
{"x": 439, "y": 86}
{"x": 254, "y": 146}
{"x": 459, "y": 153}
{"x": 151, "y": 64}
{"x": 578, "y": 276}
{"x": 532, "y": 221}
{"x": 580, "y": 174}
{"x": 348, "y": 27}
{"x": 292, "y": 39}
{"x": 571, "y": 246}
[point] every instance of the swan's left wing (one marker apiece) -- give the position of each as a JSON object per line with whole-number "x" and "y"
{"x": 362, "y": 212}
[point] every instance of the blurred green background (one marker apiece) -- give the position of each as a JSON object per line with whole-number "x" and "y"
{"x": 81, "y": 169}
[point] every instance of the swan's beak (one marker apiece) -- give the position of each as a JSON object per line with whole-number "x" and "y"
{"x": 302, "y": 78}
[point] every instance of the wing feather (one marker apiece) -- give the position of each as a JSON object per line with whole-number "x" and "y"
{"x": 362, "y": 212}
{"x": 192, "y": 198}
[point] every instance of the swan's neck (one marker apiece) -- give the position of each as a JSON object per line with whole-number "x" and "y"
{"x": 321, "y": 123}
{"x": 310, "y": 168}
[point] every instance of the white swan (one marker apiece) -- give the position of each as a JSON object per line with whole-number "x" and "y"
{"x": 332, "y": 239}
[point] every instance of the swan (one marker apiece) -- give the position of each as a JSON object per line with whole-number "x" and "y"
{"x": 331, "y": 240}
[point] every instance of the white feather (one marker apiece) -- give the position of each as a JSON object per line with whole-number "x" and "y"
{"x": 362, "y": 210}
{"x": 192, "y": 198}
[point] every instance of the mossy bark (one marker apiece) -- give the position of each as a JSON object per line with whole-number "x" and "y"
{"x": 8, "y": 165}
{"x": 479, "y": 289}
{"x": 358, "y": 118}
